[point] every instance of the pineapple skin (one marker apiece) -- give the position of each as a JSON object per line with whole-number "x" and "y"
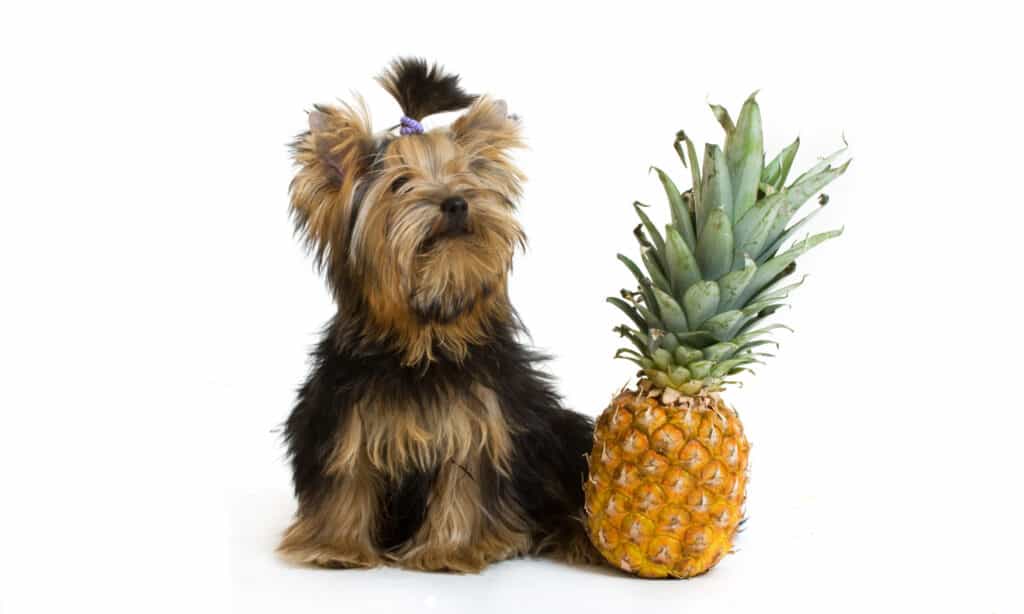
{"x": 668, "y": 479}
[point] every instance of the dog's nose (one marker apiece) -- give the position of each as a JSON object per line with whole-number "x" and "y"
{"x": 455, "y": 206}
{"x": 455, "y": 210}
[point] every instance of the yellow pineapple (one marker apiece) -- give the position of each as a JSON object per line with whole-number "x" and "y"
{"x": 668, "y": 471}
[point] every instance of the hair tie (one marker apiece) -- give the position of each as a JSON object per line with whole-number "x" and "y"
{"x": 410, "y": 126}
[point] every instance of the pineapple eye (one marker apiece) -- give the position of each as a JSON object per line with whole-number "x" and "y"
{"x": 397, "y": 184}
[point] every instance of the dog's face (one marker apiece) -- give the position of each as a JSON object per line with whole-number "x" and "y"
{"x": 416, "y": 231}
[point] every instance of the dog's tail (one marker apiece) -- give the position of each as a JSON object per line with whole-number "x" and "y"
{"x": 423, "y": 89}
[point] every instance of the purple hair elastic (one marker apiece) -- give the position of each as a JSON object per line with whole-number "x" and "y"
{"x": 410, "y": 126}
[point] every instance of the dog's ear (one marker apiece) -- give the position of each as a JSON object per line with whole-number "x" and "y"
{"x": 487, "y": 133}
{"x": 340, "y": 138}
{"x": 487, "y": 125}
{"x": 332, "y": 157}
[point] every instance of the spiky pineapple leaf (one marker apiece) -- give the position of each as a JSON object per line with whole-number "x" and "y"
{"x": 753, "y": 336}
{"x": 653, "y": 266}
{"x": 720, "y": 351}
{"x": 744, "y": 153}
{"x": 776, "y": 171}
{"x": 656, "y": 239}
{"x": 685, "y": 354}
{"x": 716, "y": 186}
{"x": 714, "y": 275}
{"x": 715, "y": 248}
{"x": 800, "y": 192}
{"x": 694, "y": 167}
{"x": 645, "y": 284}
{"x": 722, "y": 115}
{"x": 669, "y": 341}
{"x": 653, "y": 321}
{"x": 781, "y": 293}
{"x": 732, "y": 284}
{"x": 680, "y": 214}
{"x": 788, "y": 234}
{"x": 697, "y": 339}
{"x": 630, "y": 311}
{"x": 767, "y": 272}
{"x": 726, "y": 366}
{"x": 637, "y": 338}
{"x": 630, "y": 355}
{"x": 700, "y": 302}
{"x": 671, "y": 312}
{"x": 753, "y": 231}
{"x": 722, "y": 325}
{"x": 823, "y": 163}
{"x": 682, "y": 266}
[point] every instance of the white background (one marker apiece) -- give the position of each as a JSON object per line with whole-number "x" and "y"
{"x": 157, "y": 311}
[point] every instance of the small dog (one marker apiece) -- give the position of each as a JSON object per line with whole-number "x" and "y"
{"x": 426, "y": 436}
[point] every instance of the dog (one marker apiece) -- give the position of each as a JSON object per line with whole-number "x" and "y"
{"x": 427, "y": 435}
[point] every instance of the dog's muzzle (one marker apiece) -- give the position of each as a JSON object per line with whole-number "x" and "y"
{"x": 456, "y": 215}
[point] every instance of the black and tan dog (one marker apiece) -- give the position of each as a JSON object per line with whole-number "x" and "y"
{"x": 426, "y": 435}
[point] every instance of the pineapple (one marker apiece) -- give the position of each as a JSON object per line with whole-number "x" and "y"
{"x": 668, "y": 471}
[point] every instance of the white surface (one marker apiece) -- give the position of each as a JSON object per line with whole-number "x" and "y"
{"x": 156, "y": 309}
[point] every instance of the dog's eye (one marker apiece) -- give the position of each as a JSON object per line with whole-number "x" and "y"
{"x": 397, "y": 184}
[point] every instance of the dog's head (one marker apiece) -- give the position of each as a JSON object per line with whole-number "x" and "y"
{"x": 415, "y": 229}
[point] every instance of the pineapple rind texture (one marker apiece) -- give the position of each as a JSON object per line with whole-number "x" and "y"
{"x": 709, "y": 280}
{"x": 668, "y": 476}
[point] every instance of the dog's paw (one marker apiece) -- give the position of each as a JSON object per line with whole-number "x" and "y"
{"x": 331, "y": 557}
{"x": 462, "y": 558}
{"x": 457, "y": 560}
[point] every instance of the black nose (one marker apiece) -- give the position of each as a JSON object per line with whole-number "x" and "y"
{"x": 455, "y": 210}
{"x": 454, "y": 206}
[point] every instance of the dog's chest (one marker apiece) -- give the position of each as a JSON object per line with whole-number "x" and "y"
{"x": 395, "y": 437}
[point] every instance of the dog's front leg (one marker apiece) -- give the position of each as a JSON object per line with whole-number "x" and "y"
{"x": 338, "y": 529}
{"x": 462, "y": 531}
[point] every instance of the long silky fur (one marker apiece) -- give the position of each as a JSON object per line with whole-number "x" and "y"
{"x": 423, "y": 89}
{"x": 426, "y": 434}
{"x": 543, "y": 483}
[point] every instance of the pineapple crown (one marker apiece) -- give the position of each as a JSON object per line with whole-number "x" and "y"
{"x": 716, "y": 273}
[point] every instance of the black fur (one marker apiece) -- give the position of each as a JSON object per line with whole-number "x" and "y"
{"x": 404, "y": 507}
{"x": 423, "y": 89}
{"x": 548, "y": 463}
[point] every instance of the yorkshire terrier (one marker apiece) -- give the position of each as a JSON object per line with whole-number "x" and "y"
{"x": 427, "y": 436}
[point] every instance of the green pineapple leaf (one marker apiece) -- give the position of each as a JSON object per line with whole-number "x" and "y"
{"x": 655, "y": 237}
{"x": 732, "y": 284}
{"x": 682, "y": 266}
{"x": 630, "y": 311}
{"x": 680, "y": 214}
{"x": 722, "y": 115}
{"x": 700, "y": 302}
{"x": 768, "y": 271}
{"x": 651, "y": 262}
{"x": 744, "y": 154}
{"x": 716, "y": 186}
{"x": 694, "y": 166}
{"x": 776, "y": 171}
{"x": 709, "y": 282}
{"x": 671, "y": 312}
{"x": 715, "y": 248}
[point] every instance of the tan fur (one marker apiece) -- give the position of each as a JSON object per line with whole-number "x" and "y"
{"x": 393, "y": 440}
{"x": 457, "y": 535}
{"x": 337, "y": 531}
{"x": 379, "y": 441}
{"x": 331, "y": 159}
{"x": 419, "y": 293}
{"x": 469, "y": 271}
{"x": 380, "y": 248}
